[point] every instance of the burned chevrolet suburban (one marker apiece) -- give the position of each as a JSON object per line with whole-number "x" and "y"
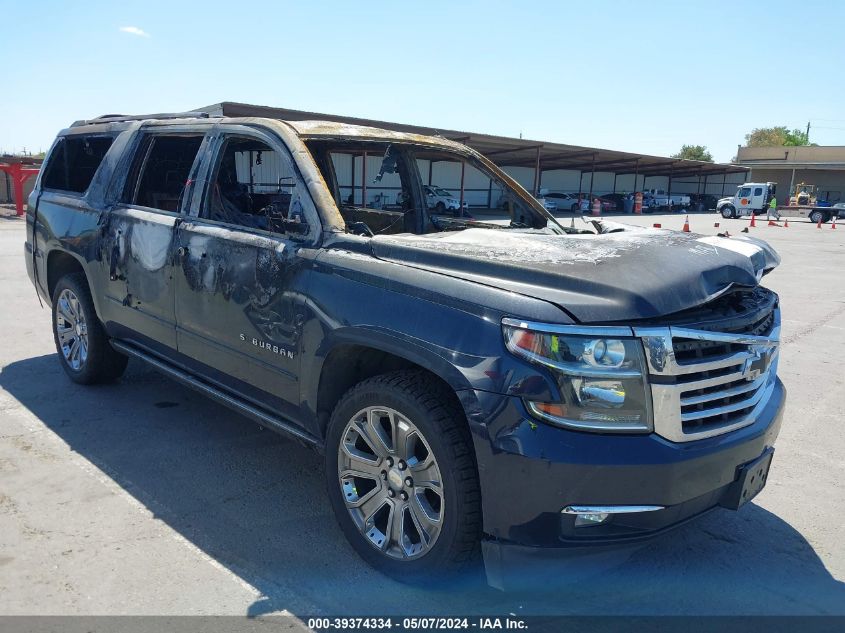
{"x": 494, "y": 383}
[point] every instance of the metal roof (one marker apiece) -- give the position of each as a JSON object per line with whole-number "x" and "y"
{"x": 505, "y": 150}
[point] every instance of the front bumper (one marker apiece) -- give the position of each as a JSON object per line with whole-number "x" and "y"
{"x": 529, "y": 471}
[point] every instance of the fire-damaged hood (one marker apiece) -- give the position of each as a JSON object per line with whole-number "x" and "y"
{"x": 631, "y": 273}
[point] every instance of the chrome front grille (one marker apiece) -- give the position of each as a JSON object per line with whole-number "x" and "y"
{"x": 706, "y": 383}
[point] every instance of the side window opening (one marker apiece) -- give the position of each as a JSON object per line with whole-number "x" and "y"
{"x": 160, "y": 171}
{"x": 74, "y": 161}
{"x": 256, "y": 186}
{"x": 758, "y": 191}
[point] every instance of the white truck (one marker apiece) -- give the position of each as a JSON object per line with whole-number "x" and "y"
{"x": 754, "y": 197}
{"x": 662, "y": 198}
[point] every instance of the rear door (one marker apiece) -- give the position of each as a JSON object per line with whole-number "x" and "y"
{"x": 241, "y": 271}
{"x": 138, "y": 236}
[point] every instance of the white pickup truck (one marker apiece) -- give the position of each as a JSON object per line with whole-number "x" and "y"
{"x": 662, "y": 198}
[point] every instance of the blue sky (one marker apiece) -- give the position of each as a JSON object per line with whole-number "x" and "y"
{"x": 636, "y": 76}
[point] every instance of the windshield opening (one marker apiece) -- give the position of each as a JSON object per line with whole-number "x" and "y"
{"x": 391, "y": 188}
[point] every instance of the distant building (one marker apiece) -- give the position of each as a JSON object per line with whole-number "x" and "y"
{"x": 788, "y": 166}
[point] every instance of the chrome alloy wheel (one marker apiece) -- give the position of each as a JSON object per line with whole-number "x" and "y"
{"x": 391, "y": 483}
{"x": 72, "y": 330}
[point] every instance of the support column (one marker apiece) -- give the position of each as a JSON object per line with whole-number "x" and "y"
{"x": 669, "y": 187}
{"x": 636, "y": 175}
{"x": 461, "y": 204}
{"x": 352, "y": 181}
{"x": 364, "y": 180}
{"x": 536, "y": 173}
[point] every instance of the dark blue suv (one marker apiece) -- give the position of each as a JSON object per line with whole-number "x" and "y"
{"x": 493, "y": 384}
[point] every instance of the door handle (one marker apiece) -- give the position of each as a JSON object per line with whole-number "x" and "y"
{"x": 182, "y": 252}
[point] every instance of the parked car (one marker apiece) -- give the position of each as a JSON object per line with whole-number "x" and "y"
{"x": 840, "y": 209}
{"x": 606, "y": 205}
{"x": 662, "y": 198}
{"x": 708, "y": 201}
{"x": 564, "y": 201}
{"x": 515, "y": 391}
{"x": 442, "y": 200}
{"x": 548, "y": 204}
{"x": 617, "y": 199}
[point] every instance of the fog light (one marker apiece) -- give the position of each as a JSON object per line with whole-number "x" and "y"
{"x": 591, "y": 518}
{"x": 597, "y": 515}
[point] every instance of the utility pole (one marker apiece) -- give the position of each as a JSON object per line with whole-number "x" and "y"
{"x": 808, "y": 131}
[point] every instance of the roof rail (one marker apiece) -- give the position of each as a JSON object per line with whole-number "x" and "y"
{"x": 112, "y": 118}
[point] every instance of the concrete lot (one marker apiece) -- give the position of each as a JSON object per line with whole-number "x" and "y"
{"x": 145, "y": 498}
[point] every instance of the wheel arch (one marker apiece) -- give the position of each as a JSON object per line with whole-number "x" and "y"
{"x": 356, "y": 357}
{"x": 59, "y": 264}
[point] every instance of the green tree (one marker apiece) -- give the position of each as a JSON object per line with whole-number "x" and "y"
{"x": 777, "y": 136}
{"x": 694, "y": 152}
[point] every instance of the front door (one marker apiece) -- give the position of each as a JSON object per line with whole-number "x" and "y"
{"x": 138, "y": 238}
{"x": 240, "y": 276}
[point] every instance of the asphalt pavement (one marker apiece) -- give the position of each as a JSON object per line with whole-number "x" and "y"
{"x": 143, "y": 497}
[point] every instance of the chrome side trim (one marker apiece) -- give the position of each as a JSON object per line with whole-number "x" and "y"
{"x": 610, "y": 509}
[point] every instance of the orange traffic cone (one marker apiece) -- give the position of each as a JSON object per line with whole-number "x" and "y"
{"x": 833, "y": 226}
{"x": 686, "y": 225}
{"x": 753, "y": 220}
{"x": 785, "y": 223}
{"x": 773, "y": 223}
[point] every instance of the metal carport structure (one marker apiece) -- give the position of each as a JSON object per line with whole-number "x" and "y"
{"x": 541, "y": 156}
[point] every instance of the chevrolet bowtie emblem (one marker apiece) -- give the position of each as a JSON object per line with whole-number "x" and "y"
{"x": 757, "y": 364}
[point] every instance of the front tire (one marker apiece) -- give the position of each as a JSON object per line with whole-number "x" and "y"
{"x": 727, "y": 212}
{"x": 402, "y": 478}
{"x": 81, "y": 342}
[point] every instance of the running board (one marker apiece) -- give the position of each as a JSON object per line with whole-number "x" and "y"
{"x": 263, "y": 418}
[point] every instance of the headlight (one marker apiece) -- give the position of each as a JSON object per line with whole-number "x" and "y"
{"x": 601, "y": 377}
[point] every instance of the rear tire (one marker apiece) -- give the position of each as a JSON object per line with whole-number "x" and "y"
{"x": 817, "y": 216}
{"x": 412, "y": 510}
{"x": 81, "y": 342}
